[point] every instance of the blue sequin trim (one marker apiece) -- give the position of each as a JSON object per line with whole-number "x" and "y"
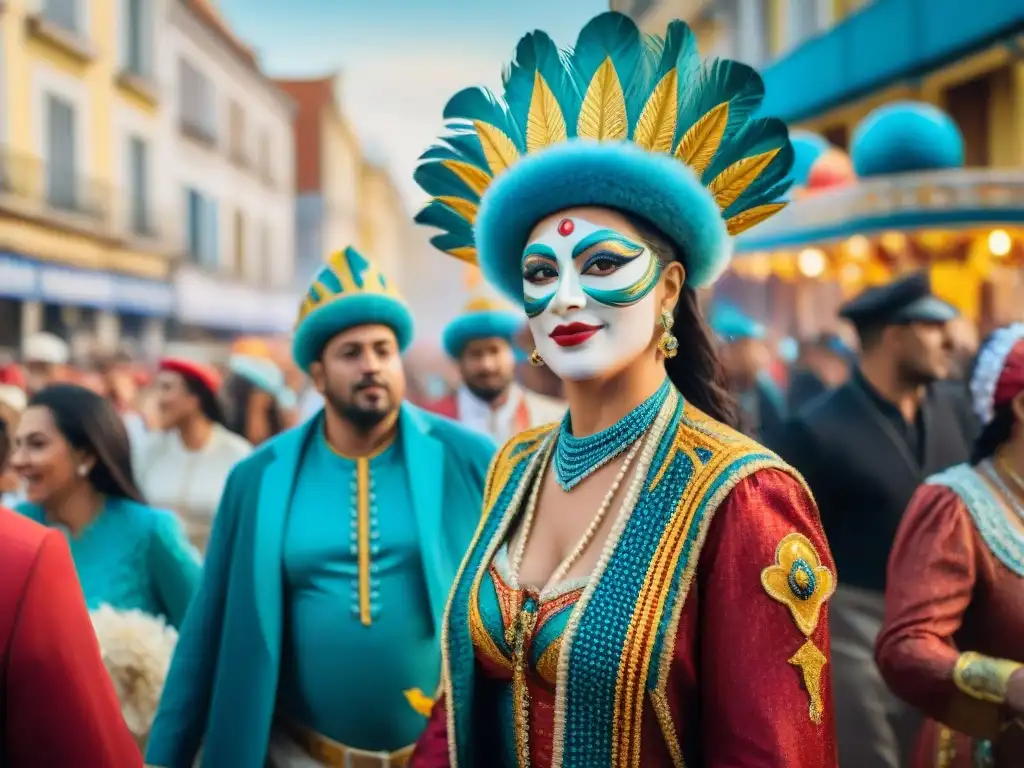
{"x": 805, "y": 590}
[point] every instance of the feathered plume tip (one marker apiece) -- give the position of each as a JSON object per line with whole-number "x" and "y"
{"x": 137, "y": 650}
{"x": 616, "y": 84}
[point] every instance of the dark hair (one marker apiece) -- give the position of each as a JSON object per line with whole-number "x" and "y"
{"x": 89, "y": 423}
{"x": 5, "y": 443}
{"x": 237, "y": 392}
{"x": 209, "y": 405}
{"x": 696, "y": 370}
{"x": 870, "y": 335}
{"x": 994, "y": 434}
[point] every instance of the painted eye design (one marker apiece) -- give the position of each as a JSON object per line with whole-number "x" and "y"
{"x": 601, "y": 264}
{"x": 539, "y": 273}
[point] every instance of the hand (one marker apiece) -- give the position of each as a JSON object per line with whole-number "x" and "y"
{"x": 1015, "y": 693}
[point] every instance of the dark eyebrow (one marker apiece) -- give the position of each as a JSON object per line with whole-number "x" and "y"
{"x": 539, "y": 249}
{"x": 606, "y": 236}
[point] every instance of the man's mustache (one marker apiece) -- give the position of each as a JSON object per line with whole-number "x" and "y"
{"x": 370, "y": 382}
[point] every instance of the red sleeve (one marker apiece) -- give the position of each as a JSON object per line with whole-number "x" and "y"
{"x": 756, "y": 700}
{"x": 432, "y": 747}
{"x": 61, "y": 706}
{"x": 931, "y": 577}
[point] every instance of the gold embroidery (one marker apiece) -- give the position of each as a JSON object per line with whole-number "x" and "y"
{"x": 945, "y": 753}
{"x": 810, "y": 661}
{"x": 419, "y": 701}
{"x": 983, "y": 677}
{"x": 363, "y": 533}
{"x": 799, "y": 581}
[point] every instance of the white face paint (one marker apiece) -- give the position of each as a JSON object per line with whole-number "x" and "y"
{"x": 589, "y": 296}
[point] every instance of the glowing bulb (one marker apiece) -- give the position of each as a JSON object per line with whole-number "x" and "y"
{"x": 858, "y": 247}
{"x": 999, "y": 242}
{"x": 894, "y": 242}
{"x": 811, "y": 262}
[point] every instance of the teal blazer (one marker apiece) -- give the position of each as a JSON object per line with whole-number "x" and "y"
{"x": 222, "y": 686}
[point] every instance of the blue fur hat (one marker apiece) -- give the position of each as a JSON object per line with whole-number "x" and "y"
{"x": 482, "y": 319}
{"x": 731, "y": 324}
{"x": 623, "y": 120}
{"x": 265, "y": 375}
{"x": 348, "y": 291}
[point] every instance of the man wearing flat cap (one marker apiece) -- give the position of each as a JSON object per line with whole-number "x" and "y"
{"x": 863, "y": 449}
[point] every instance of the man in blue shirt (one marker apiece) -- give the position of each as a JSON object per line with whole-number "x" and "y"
{"x": 314, "y": 638}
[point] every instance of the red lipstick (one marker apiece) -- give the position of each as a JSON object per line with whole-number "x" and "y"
{"x": 573, "y": 334}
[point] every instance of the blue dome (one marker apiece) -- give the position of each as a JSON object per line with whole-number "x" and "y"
{"x": 807, "y": 147}
{"x": 906, "y": 136}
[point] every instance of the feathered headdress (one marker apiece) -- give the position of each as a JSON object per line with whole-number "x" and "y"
{"x": 623, "y": 120}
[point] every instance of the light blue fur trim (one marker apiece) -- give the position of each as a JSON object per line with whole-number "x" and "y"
{"x": 488, "y": 324}
{"x": 619, "y": 175}
{"x": 325, "y": 322}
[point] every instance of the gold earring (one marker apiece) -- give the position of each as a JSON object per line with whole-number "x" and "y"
{"x": 668, "y": 343}
{"x": 535, "y": 359}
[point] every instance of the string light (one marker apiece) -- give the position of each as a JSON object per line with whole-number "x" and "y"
{"x": 999, "y": 242}
{"x": 811, "y": 262}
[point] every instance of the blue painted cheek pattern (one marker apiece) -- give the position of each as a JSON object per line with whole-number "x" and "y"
{"x": 543, "y": 257}
{"x": 630, "y": 294}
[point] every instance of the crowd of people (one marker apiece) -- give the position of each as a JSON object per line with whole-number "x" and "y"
{"x": 706, "y": 551}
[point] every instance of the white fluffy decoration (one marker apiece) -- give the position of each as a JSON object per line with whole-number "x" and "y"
{"x": 988, "y": 369}
{"x": 137, "y": 650}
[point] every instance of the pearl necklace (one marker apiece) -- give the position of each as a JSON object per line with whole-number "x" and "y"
{"x": 588, "y": 535}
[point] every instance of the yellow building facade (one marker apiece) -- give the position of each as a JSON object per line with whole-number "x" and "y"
{"x": 79, "y": 103}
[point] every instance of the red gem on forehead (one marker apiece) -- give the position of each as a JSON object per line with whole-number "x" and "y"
{"x": 565, "y": 227}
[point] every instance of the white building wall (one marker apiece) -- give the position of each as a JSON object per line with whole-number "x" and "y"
{"x": 189, "y": 163}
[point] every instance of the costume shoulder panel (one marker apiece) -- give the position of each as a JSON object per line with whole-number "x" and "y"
{"x": 518, "y": 449}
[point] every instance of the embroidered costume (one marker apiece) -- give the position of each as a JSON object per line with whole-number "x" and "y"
{"x": 315, "y": 632}
{"x": 954, "y": 625}
{"x": 521, "y": 408}
{"x": 701, "y": 636}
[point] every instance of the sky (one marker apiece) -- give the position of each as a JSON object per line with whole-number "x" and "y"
{"x": 399, "y": 60}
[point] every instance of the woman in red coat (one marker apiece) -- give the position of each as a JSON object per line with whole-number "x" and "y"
{"x": 57, "y": 703}
{"x": 952, "y": 643}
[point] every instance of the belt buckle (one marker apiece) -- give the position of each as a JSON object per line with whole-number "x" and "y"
{"x": 381, "y": 759}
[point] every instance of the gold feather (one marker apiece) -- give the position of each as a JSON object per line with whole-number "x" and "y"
{"x": 734, "y": 180}
{"x": 498, "y": 148}
{"x": 545, "y": 124}
{"x": 744, "y": 220}
{"x": 700, "y": 143}
{"x": 476, "y": 179}
{"x": 465, "y": 208}
{"x": 465, "y": 253}
{"x": 656, "y": 129}
{"x": 603, "y": 113}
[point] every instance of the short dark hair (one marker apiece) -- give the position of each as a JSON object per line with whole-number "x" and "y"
{"x": 870, "y": 334}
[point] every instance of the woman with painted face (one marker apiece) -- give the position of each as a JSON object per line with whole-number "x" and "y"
{"x": 952, "y": 643}
{"x": 184, "y": 466}
{"x": 71, "y": 451}
{"x": 648, "y": 587}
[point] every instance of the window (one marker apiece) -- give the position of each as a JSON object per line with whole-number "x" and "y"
{"x": 61, "y": 153}
{"x": 197, "y": 106}
{"x": 236, "y": 133}
{"x": 238, "y": 266}
{"x": 136, "y": 42}
{"x": 201, "y": 229}
{"x": 266, "y": 264}
{"x": 263, "y": 160}
{"x": 138, "y": 186}
{"x": 65, "y": 14}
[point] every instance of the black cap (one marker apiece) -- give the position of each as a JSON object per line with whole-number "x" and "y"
{"x": 907, "y": 300}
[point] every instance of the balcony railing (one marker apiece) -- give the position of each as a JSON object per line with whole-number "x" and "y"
{"x": 34, "y": 187}
{"x": 939, "y": 199}
{"x": 198, "y": 129}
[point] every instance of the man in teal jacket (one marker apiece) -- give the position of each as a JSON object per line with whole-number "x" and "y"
{"x": 314, "y": 637}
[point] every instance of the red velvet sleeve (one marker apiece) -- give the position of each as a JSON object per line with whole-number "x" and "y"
{"x": 931, "y": 577}
{"x": 432, "y": 747}
{"x": 61, "y": 706}
{"x": 758, "y": 670}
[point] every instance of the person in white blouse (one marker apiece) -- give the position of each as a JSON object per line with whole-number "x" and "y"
{"x": 490, "y": 400}
{"x": 184, "y": 467}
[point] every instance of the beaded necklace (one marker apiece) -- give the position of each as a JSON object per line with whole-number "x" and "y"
{"x": 576, "y": 458}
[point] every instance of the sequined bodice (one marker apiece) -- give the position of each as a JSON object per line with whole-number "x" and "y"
{"x": 497, "y": 601}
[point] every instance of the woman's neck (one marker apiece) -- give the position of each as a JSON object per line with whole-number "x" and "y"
{"x": 76, "y": 509}
{"x": 596, "y": 404}
{"x": 196, "y": 432}
{"x": 1010, "y": 461}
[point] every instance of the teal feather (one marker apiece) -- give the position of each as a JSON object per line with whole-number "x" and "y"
{"x": 610, "y": 35}
{"x": 438, "y": 181}
{"x": 439, "y": 215}
{"x": 759, "y": 135}
{"x": 716, "y": 83}
{"x": 537, "y": 53}
{"x": 449, "y": 242}
{"x": 480, "y": 104}
{"x": 466, "y": 145}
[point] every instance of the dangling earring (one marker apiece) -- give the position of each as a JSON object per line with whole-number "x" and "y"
{"x": 535, "y": 359}
{"x": 668, "y": 343}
